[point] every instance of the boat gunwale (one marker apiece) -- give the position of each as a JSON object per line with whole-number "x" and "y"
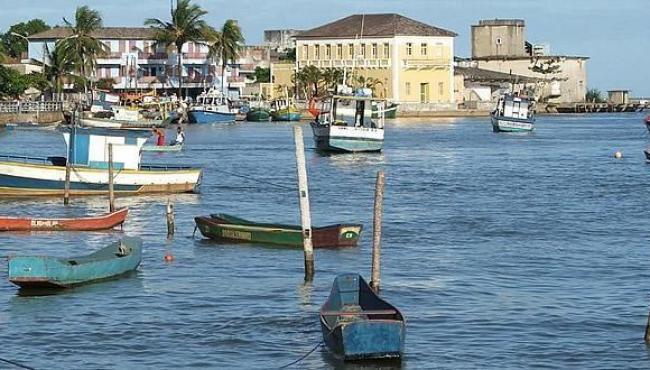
{"x": 64, "y": 219}
{"x": 148, "y": 168}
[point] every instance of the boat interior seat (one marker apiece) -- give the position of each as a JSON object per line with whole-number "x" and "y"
{"x": 57, "y": 161}
{"x": 353, "y": 309}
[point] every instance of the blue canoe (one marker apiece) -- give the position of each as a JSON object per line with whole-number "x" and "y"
{"x": 40, "y": 272}
{"x": 358, "y": 325}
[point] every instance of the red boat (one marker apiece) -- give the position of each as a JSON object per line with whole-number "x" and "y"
{"x": 103, "y": 222}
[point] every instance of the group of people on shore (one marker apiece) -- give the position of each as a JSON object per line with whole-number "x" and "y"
{"x": 160, "y": 136}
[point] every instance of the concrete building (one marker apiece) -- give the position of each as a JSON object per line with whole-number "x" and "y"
{"x": 134, "y": 62}
{"x": 500, "y": 45}
{"x": 281, "y": 40}
{"x": 618, "y": 96}
{"x": 413, "y": 61}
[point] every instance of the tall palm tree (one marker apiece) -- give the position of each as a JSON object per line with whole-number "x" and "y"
{"x": 332, "y": 77}
{"x": 82, "y": 46}
{"x": 186, "y": 25}
{"x": 59, "y": 69}
{"x": 310, "y": 77}
{"x": 226, "y": 45}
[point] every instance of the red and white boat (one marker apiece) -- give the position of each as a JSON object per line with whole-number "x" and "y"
{"x": 102, "y": 222}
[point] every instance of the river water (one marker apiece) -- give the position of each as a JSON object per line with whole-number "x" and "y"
{"x": 502, "y": 250}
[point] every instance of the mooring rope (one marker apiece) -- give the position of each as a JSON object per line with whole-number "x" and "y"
{"x": 303, "y": 356}
{"x": 17, "y": 364}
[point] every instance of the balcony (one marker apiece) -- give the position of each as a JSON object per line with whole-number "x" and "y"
{"x": 436, "y": 63}
{"x": 348, "y": 63}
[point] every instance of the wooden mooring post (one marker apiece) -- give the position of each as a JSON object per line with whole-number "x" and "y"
{"x": 305, "y": 213}
{"x": 646, "y": 337}
{"x": 376, "y": 232}
{"x": 111, "y": 189}
{"x": 68, "y": 163}
{"x": 170, "y": 220}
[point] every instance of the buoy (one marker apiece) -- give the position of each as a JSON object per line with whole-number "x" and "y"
{"x": 169, "y": 257}
{"x": 618, "y": 154}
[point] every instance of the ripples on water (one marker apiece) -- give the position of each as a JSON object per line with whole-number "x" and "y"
{"x": 501, "y": 250}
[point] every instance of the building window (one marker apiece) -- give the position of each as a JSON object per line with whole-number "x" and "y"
{"x": 339, "y": 51}
{"x": 316, "y": 51}
{"x": 351, "y": 50}
{"x": 386, "y": 50}
{"x": 374, "y": 50}
{"x": 409, "y": 49}
{"x": 305, "y": 52}
{"x": 424, "y": 93}
{"x": 362, "y": 52}
{"x": 423, "y": 49}
{"x": 498, "y": 41}
{"x": 328, "y": 51}
{"x": 408, "y": 88}
{"x": 441, "y": 89}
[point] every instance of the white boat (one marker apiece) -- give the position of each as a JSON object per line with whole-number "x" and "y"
{"x": 345, "y": 124}
{"x": 119, "y": 124}
{"x": 513, "y": 114}
{"x": 32, "y": 176}
{"x": 211, "y": 107}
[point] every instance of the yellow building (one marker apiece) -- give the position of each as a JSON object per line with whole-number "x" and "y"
{"x": 412, "y": 61}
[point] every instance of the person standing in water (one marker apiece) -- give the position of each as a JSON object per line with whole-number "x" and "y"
{"x": 160, "y": 141}
{"x": 180, "y": 136}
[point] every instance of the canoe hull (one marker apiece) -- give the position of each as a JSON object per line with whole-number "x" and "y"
{"x": 205, "y": 117}
{"x": 358, "y": 325}
{"x": 333, "y": 236}
{"x": 286, "y": 115}
{"x": 258, "y": 115}
{"x": 345, "y": 139}
{"x": 48, "y": 272}
{"x": 104, "y": 222}
{"x": 26, "y": 179}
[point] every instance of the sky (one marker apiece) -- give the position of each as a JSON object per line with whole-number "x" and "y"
{"x": 614, "y": 34}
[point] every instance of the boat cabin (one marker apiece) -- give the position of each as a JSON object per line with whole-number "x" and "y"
{"x": 514, "y": 107}
{"x": 211, "y": 98}
{"x": 89, "y": 146}
{"x": 355, "y": 111}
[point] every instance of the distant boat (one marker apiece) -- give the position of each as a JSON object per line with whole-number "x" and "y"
{"x": 224, "y": 227}
{"x": 647, "y": 154}
{"x": 211, "y": 107}
{"x": 162, "y": 148}
{"x": 513, "y": 114}
{"x": 345, "y": 124}
{"x": 285, "y": 110}
{"x": 119, "y": 124}
{"x": 38, "y": 176}
{"x": 36, "y": 272}
{"x": 258, "y": 115}
{"x": 103, "y": 222}
{"x": 647, "y": 122}
{"x": 358, "y": 325}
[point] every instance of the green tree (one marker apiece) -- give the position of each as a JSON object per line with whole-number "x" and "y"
{"x": 105, "y": 84}
{"x": 226, "y": 45}
{"x": 309, "y": 77}
{"x": 289, "y": 55}
{"x": 3, "y": 55}
{"x": 594, "y": 96}
{"x": 332, "y": 77}
{"x": 16, "y": 45}
{"x": 59, "y": 69}
{"x": 262, "y": 74}
{"x": 12, "y": 83}
{"x": 82, "y": 47}
{"x": 186, "y": 25}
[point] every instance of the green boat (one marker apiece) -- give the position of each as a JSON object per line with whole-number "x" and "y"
{"x": 258, "y": 115}
{"x": 223, "y": 227}
{"x": 36, "y": 272}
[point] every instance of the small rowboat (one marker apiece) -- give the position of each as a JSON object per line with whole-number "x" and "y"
{"x": 37, "y": 272}
{"x": 162, "y": 148}
{"x": 103, "y": 222}
{"x": 358, "y": 325}
{"x": 223, "y": 227}
{"x": 647, "y": 122}
{"x": 647, "y": 154}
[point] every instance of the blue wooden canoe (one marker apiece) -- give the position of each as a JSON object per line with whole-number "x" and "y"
{"x": 358, "y": 325}
{"x": 37, "y": 272}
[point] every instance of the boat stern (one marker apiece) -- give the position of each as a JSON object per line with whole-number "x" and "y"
{"x": 30, "y": 272}
{"x": 373, "y": 339}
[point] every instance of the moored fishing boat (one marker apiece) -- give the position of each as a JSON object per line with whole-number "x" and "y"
{"x": 345, "y": 124}
{"x": 224, "y": 227}
{"x": 513, "y": 114}
{"x": 258, "y": 115}
{"x": 116, "y": 259}
{"x": 103, "y": 222}
{"x": 119, "y": 124}
{"x": 285, "y": 110}
{"x": 211, "y": 107}
{"x": 88, "y": 153}
{"x": 358, "y": 325}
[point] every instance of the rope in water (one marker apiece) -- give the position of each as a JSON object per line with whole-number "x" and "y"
{"x": 17, "y": 364}
{"x": 303, "y": 356}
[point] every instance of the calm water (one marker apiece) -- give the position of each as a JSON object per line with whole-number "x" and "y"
{"x": 501, "y": 250}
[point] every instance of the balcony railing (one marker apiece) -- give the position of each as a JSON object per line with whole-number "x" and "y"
{"x": 338, "y": 63}
{"x": 30, "y": 106}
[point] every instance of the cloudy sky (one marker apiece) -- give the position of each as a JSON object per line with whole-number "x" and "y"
{"x": 615, "y": 34}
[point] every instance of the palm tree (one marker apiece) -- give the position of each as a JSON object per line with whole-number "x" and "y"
{"x": 368, "y": 82}
{"x": 59, "y": 69}
{"x": 332, "y": 77}
{"x": 226, "y": 45}
{"x": 310, "y": 77}
{"x": 82, "y": 46}
{"x": 186, "y": 25}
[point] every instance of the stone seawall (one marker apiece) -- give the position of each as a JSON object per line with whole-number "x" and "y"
{"x": 40, "y": 117}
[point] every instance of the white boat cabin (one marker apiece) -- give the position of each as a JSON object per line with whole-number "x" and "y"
{"x": 511, "y": 106}
{"x": 354, "y": 111}
{"x": 90, "y": 147}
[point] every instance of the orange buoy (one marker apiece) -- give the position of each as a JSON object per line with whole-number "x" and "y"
{"x": 169, "y": 257}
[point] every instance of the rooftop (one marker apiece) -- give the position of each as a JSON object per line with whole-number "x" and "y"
{"x": 501, "y": 22}
{"x": 111, "y": 33}
{"x": 484, "y": 75}
{"x": 375, "y": 25}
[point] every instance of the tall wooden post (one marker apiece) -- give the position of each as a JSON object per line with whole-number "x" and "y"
{"x": 111, "y": 190}
{"x": 646, "y": 337}
{"x": 303, "y": 193}
{"x": 376, "y": 232}
{"x": 170, "y": 220}
{"x": 68, "y": 161}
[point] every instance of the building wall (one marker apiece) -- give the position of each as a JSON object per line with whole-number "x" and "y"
{"x": 572, "y": 78}
{"x": 498, "y": 38}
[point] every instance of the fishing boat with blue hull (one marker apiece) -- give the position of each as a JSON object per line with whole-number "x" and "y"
{"x": 211, "y": 107}
{"x": 88, "y": 149}
{"x": 358, "y": 325}
{"x": 39, "y": 272}
{"x": 345, "y": 124}
{"x": 513, "y": 114}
